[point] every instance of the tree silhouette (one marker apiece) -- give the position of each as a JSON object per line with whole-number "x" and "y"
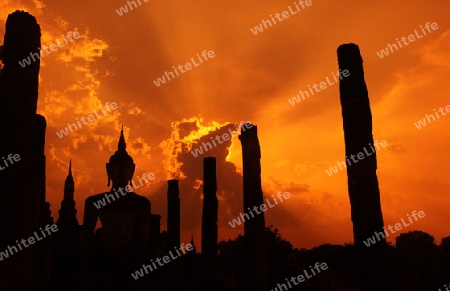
{"x": 415, "y": 241}
{"x": 231, "y": 256}
{"x": 445, "y": 257}
{"x": 445, "y": 244}
{"x": 417, "y": 250}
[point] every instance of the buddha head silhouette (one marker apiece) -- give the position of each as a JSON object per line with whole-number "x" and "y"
{"x": 120, "y": 168}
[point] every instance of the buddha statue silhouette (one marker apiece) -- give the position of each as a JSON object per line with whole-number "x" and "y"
{"x": 125, "y": 219}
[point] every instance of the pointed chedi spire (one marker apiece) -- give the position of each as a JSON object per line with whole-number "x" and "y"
{"x": 69, "y": 178}
{"x": 67, "y": 212}
{"x": 69, "y": 232}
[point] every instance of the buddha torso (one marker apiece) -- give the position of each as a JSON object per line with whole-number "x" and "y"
{"x": 125, "y": 221}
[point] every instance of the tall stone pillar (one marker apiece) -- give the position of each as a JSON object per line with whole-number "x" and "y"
{"x": 173, "y": 215}
{"x": 20, "y": 198}
{"x": 209, "y": 224}
{"x": 254, "y": 228}
{"x": 362, "y": 180}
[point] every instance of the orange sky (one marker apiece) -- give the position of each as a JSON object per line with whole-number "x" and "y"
{"x": 250, "y": 78}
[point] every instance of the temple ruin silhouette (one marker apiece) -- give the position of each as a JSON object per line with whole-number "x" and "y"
{"x": 83, "y": 257}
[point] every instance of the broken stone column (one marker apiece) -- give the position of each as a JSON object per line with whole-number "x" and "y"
{"x": 362, "y": 180}
{"x": 43, "y": 256}
{"x": 209, "y": 223}
{"x": 254, "y": 228}
{"x": 173, "y": 215}
{"x": 40, "y": 164}
{"x": 357, "y": 119}
{"x": 173, "y": 225}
